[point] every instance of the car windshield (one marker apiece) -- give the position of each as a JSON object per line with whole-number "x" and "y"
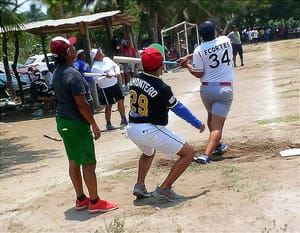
{"x": 30, "y": 60}
{"x": 19, "y": 66}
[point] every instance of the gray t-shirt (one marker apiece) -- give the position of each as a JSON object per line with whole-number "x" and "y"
{"x": 234, "y": 37}
{"x": 67, "y": 83}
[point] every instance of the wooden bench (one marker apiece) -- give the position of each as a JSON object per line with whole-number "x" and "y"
{"x": 49, "y": 103}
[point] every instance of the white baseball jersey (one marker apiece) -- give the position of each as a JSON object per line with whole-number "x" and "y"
{"x": 214, "y": 58}
{"x": 106, "y": 67}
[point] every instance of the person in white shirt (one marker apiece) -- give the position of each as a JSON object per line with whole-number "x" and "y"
{"x": 255, "y": 35}
{"x": 108, "y": 87}
{"x": 213, "y": 65}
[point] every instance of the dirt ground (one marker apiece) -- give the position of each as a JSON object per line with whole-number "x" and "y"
{"x": 250, "y": 189}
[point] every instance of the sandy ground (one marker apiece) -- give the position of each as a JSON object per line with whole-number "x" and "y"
{"x": 250, "y": 189}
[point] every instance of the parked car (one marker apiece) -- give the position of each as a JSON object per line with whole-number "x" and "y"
{"x": 26, "y": 81}
{"x": 297, "y": 29}
{"x": 21, "y": 68}
{"x": 39, "y": 62}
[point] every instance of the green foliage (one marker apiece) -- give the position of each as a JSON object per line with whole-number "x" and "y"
{"x": 9, "y": 21}
{"x": 290, "y": 23}
{"x": 152, "y": 16}
{"x": 34, "y": 14}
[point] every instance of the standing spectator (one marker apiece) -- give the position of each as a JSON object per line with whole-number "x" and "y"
{"x": 127, "y": 51}
{"x": 109, "y": 90}
{"x": 82, "y": 66}
{"x": 261, "y": 33}
{"x": 150, "y": 101}
{"x": 74, "y": 118}
{"x": 249, "y": 33}
{"x": 255, "y": 35}
{"x": 116, "y": 45}
{"x": 214, "y": 69}
{"x": 236, "y": 43}
{"x": 49, "y": 75}
{"x": 268, "y": 34}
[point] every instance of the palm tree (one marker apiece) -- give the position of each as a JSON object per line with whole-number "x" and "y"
{"x": 9, "y": 24}
{"x": 60, "y": 9}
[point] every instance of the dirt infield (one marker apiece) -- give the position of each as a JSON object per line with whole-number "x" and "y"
{"x": 250, "y": 189}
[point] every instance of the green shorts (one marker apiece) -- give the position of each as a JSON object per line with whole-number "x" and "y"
{"x": 78, "y": 140}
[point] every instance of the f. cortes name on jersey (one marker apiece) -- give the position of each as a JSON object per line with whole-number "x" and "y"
{"x": 217, "y": 48}
{"x": 145, "y": 86}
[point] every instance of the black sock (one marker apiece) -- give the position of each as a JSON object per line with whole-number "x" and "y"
{"x": 81, "y": 198}
{"x": 95, "y": 201}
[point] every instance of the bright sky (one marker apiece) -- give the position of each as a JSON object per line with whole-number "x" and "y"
{"x": 26, "y": 5}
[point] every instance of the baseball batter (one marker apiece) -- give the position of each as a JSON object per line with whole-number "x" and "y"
{"x": 212, "y": 64}
{"x": 150, "y": 101}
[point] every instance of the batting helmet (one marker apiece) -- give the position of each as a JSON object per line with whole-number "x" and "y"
{"x": 207, "y": 30}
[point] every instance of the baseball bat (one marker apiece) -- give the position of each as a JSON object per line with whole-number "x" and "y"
{"x": 120, "y": 59}
{"x": 94, "y": 74}
{"x": 52, "y": 138}
{"x": 170, "y": 62}
{"x": 134, "y": 60}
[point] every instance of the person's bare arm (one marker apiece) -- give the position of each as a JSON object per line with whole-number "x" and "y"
{"x": 86, "y": 112}
{"x": 184, "y": 63}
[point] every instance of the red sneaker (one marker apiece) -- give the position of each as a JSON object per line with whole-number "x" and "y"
{"x": 80, "y": 205}
{"x": 102, "y": 206}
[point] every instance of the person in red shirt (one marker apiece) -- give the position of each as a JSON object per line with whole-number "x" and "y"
{"x": 128, "y": 51}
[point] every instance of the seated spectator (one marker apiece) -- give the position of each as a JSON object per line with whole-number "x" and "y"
{"x": 49, "y": 75}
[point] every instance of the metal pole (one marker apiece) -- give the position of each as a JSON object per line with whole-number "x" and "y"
{"x": 186, "y": 40}
{"x": 197, "y": 32}
{"x": 163, "y": 42}
{"x": 179, "y": 47}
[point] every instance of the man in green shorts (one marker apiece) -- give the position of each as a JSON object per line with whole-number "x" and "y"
{"x": 74, "y": 120}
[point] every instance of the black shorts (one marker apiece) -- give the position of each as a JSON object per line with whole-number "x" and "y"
{"x": 110, "y": 95}
{"x": 237, "y": 48}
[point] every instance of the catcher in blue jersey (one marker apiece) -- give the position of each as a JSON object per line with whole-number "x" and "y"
{"x": 150, "y": 101}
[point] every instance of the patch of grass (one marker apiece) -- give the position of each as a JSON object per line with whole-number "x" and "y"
{"x": 290, "y": 118}
{"x": 116, "y": 226}
{"x": 179, "y": 229}
{"x": 229, "y": 171}
{"x": 274, "y": 228}
{"x": 290, "y": 83}
{"x": 121, "y": 174}
{"x": 289, "y": 91}
{"x": 232, "y": 178}
{"x": 290, "y": 96}
{"x": 201, "y": 167}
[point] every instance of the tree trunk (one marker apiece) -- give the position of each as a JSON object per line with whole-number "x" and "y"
{"x": 155, "y": 27}
{"x": 60, "y": 9}
{"x": 14, "y": 66}
{"x": 11, "y": 89}
{"x": 43, "y": 37}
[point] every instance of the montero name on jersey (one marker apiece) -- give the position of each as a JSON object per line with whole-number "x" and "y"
{"x": 145, "y": 86}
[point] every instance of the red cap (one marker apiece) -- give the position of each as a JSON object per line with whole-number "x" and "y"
{"x": 151, "y": 59}
{"x": 59, "y": 45}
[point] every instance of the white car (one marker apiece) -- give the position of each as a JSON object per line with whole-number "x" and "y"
{"x": 39, "y": 62}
